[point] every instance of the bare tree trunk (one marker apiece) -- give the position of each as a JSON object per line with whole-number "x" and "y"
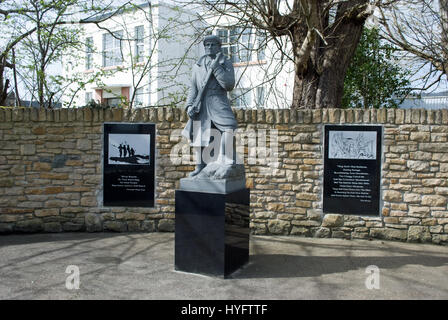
{"x": 305, "y": 88}
{"x": 4, "y": 84}
{"x": 40, "y": 87}
{"x": 336, "y": 60}
{"x": 443, "y": 4}
{"x": 15, "y": 77}
{"x": 321, "y": 83}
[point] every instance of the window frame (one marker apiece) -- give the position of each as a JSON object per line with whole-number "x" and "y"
{"x": 89, "y": 53}
{"x": 241, "y": 98}
{"x": 139, "y": 48}
{"x": 243, "y": 45}
{"x": 116, "y": 58}
{"x": 139, "y": 97}
{"x": 88, "y": 97}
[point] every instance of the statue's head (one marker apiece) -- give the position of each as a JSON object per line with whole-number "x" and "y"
{"x": 212, "y": 45}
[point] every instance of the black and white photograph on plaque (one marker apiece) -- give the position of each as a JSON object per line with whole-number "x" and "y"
{"x": 359, "y": 145}
{"x": 129, "y": 149}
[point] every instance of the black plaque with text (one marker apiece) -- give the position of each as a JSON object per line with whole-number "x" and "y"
{"x": 352, "y": 169}
{"x": 128, "y": 164}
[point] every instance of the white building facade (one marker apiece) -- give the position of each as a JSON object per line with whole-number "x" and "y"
{"x": 144, "y": 56}
{"x": 264, "y": 79}
{"x": 141, "y": 56}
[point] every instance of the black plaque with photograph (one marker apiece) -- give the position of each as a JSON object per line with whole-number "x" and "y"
{"x": 352, "y": 170}
{"x": 128, "y": 164}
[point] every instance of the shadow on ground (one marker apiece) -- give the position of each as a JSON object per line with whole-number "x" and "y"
{"x": 29, "y": 238}
{"x": 291, "y": 266}
{"x": 296, "y": 257}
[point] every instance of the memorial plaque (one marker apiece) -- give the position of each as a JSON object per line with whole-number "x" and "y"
{"x": 128, "y": 164}
{"x": 352, "y": 169}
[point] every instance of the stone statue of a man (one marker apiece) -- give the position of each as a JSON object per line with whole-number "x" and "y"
{"x": 208, "y": 105}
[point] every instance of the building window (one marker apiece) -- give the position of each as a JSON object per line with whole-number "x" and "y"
{"x": 138, "y": 99}
{"x": 113, "y": 102}
{"x": 261, "y": 45}
{"x": 239, "y": 44}
{"x": 88, "y": 97}
{"x": 236, "y": 44}
{"x": 260, "y": 97}
{"x": 112, "y": 55}
{"x": 89, "y": 53}
{"x": 241, "y": 98}
{"x": 224, "y": 35}
{"x": 139, "y": 43}
{"x": 245, "y": 45}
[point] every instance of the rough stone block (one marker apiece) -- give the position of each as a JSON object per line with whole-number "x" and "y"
{"x": 440, "y": 238}
{"x": 278, "y": 226}
{"x": 148, "y": 226}
{"x": 166, "y": 225}
{"x": 27, "y": 149}
{"x": 334, "y": 115}
{"x": 433, "y": 182}
{"x": 388, "y": 234}
{"x": 300, "y": 231}
{"x": 93, "y": 222}
{"x": 33, "y": 225}
{"x": 433, "y": 147}
{"x": 392, "y": 196}
{"x": 6, "y": 182}
{"x": 134, "y": 226}
{"x": 84, "y": 144}
{"x": 419, "y": 234}
{"x": 276, "y": 207}
{"x": 322, "y": 232}
{"x": 434, "y": 201}
{"x": 46, "y": 212}
{"x": 115, "y": 226}
{"x": 418, "y": 166}
{"x": 418, "y": 211}
{"x": 52, "y": 227}
{"x": 56, "y": 204}
{"x": 333, "y": 220}
{"x": 420, "y": 136}
{"x": 303, "y": 138}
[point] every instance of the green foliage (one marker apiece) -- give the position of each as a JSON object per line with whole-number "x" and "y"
{"x": 374, "y": 78}
{"x": 92, "y": 104}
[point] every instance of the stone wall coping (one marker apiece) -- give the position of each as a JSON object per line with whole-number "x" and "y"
{"x": 268, "y": 116}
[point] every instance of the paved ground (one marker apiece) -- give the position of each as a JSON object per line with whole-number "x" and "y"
{"x": 140, "y": 266}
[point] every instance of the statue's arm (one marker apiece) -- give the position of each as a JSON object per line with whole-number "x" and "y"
{"x": 225, "y": 75}
{"x": 192, "y": 92}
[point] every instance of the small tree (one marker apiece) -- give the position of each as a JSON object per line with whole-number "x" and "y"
{"x": 40, "y": 31}
{"x": 374, "y": 79}
{"x": 142, "y": 33}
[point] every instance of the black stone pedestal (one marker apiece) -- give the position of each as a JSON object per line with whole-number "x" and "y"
{"x": 212, "y": 232}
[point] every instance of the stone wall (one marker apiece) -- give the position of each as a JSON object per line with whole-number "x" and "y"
{"x": 51, "y": 173}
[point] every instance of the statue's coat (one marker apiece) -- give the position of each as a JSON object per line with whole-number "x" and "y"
{"x": 215, "y": 105}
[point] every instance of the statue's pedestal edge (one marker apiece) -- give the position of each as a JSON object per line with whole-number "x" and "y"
{"x": 205, "y": 185}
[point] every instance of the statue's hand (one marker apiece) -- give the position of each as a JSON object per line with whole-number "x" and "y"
{"x": 190, "y": 111}
{"x": 215, "y": 62}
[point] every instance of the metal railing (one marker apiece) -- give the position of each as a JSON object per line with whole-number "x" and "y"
{"x": 427, "y": 102}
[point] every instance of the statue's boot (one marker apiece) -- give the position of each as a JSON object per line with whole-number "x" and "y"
{"x": 198, "y": 169}
{"x": 227, "y": 152}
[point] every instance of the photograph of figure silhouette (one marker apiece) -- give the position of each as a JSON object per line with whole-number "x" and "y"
{"x": 128, "y": 149}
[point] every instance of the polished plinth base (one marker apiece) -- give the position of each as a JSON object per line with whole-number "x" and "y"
{"x": 212, "y": 232}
